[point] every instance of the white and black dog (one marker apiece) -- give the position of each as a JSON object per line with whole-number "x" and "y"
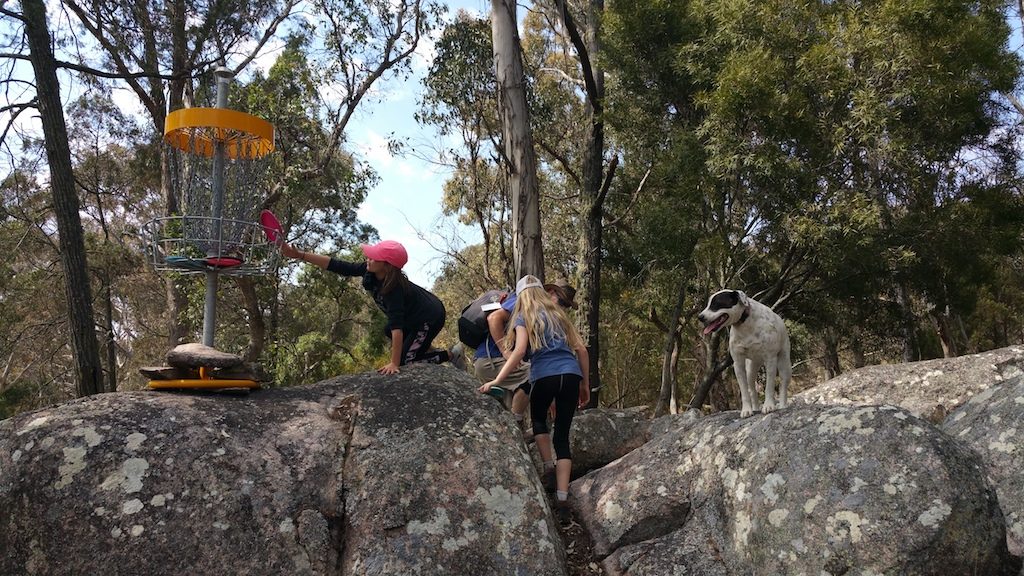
{"x": 757, "y": 337}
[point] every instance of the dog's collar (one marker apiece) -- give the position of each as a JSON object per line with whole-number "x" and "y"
{"x": 746, "y": 314}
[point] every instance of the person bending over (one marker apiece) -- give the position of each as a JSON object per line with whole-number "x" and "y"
{"x": 414, "y": 315}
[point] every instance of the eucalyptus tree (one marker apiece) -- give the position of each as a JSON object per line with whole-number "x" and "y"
{"x": 565, "y": 43}
{"x": 37, "y": 365}
{"x": 908, "y": 100}
{"x": 460, "y": 99}
{"x": 661, "y": 194}
{"x": 77, "y": 290}
{"x": 172, "y": 43}
{"x": 329, "y": 69}
{"x": 853, "y": 111}
{"x": 518, "y": 154}
{"x": 116, "y": 184}
{"x": 316, "y": 186}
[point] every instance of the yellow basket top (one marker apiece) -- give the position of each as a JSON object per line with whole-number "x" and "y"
{"x": 199, "y": 130}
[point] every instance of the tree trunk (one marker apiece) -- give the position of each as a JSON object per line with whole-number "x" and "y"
{"x": 65, "y": 201}
{"x": 163, "y": 103}
{"x": 831, "y": 360}
{"x": 527, "y": 253}
{"x": 590, "y": 257}
{"x": 673, "y": 405}
{"x": 109, "y": 338}
{"x": 595, "y": 185}
{"x": 176, "y": 300}
{"x": 942, "y": 327}
{"x": 257, "y": 327}
{"x": 713, "y": 371}
{"x": 911, "y": 351}
{"x": 857, "y": 349}
{"x": 669, "y": 355}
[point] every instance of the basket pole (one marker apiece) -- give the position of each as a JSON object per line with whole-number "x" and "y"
{"x": 212, "y": 279}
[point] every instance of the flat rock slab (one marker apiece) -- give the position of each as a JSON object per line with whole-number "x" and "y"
{"x": 194, "y": 355}
{"x": 928, "y": 389}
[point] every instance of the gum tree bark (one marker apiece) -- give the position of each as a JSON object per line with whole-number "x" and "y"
{"x": 595, "y": 185}
{"x": 519, "y": 157}
{"x": 65, "y": 201}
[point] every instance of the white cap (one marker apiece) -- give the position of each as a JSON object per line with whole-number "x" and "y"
{"x": 527, "y": 282}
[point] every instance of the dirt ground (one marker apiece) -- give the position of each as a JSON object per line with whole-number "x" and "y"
{"x": 579, "y": 553}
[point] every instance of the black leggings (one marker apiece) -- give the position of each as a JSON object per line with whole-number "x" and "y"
{"x": 564, "y": 391}
{"x": 416, "y": 344}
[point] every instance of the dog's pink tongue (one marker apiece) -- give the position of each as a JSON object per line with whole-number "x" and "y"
{"x": 714, "y": 325}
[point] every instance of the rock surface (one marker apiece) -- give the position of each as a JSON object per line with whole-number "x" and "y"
{"x": 601, "y": 435}
{"x": 930, "y": 388}
{"x": 806, "y": 490}
{"x": 365, "y": 474}
{"x": 992, "y": 423}
{"x": 419, "y": 474}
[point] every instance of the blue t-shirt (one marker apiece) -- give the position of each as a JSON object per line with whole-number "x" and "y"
{"x": 555, "y": 358}
{"x": 489, "y": 348}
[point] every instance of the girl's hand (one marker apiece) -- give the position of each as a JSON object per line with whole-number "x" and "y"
{"x": 388, "y": 368}
{"x": 584, "y": 394}
{"x": 486, "y": 387}
{"x": 288, "y": 251}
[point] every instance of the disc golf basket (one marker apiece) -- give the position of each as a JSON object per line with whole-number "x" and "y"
{"x": 218, "y": 157}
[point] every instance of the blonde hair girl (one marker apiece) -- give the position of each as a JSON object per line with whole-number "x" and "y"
{"x": 559, "y": 375}
{"x": 543, "y": 317}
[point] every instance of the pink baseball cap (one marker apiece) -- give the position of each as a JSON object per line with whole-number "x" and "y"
{"x": 387, "y": 251}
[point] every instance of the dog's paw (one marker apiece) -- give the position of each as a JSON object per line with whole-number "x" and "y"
{"x": 768, "y": 408}
{"x": 746, "y": 413}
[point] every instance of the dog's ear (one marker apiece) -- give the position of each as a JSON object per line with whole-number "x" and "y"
{"x": 742, "y": 297}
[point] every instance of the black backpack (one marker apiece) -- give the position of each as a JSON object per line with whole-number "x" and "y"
{"x": 473, "y": 328}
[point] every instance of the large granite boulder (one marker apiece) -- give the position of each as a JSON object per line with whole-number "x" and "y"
{"x": 601, "y": 435}
{"x": 992, "y": 423}
{"x": 408, "y": 474}
{"x": 806, "y": 490}
{"x": 930, "y": 388}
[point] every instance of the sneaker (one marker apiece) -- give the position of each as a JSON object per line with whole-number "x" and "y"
{"x": 549, "y": 481}
{"x": 562, "y": 512}
{"x": 528, "y": 435}
{"x": 457, "y": 356}
{"x": 432, "y": 356}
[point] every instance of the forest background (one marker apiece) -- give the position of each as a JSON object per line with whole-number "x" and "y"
{"x": 855, "y": 164}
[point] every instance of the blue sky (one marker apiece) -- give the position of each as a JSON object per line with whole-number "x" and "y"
{"x": 406, "y": 204}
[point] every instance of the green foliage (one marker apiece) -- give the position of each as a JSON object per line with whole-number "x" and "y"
{"x": 826, "y": 152}
{"x": 317, "y": 187}
{"x": 17, "y": 399}
{"x": 459, "y": 86}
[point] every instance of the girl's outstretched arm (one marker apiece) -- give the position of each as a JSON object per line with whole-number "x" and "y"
{"x": 514, "y": 358}
{"x": 315, "y": 259}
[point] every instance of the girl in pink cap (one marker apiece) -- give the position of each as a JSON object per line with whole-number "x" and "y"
{"x": 415, "y": 316}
